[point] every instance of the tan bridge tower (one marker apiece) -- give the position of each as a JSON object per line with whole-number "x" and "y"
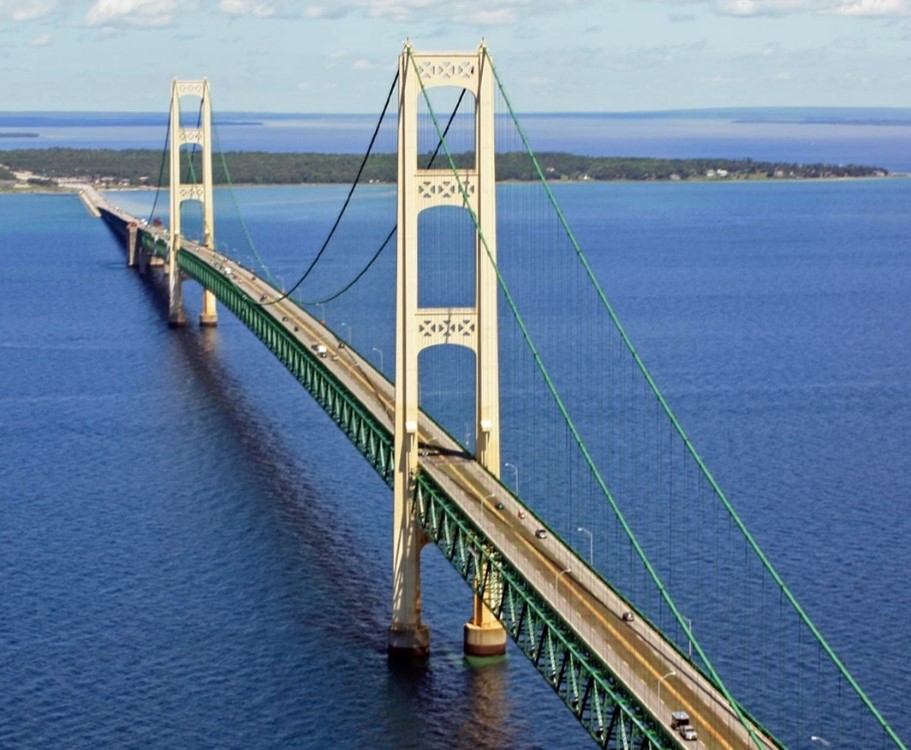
{"x": 419, "y": 328}
{"x": 181, "y": 136}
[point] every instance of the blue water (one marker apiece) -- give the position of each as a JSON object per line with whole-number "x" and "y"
{"x": 192, "y": 556}
{"x": 875, "y": 137}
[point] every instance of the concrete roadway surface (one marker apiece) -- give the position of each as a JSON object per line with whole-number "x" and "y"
{"x": 638, "y": 654}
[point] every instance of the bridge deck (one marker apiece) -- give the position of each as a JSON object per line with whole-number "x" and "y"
{"x": 635, "y": 651}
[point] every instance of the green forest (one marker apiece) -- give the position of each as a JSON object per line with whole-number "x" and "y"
{"x": 150, "y": 168}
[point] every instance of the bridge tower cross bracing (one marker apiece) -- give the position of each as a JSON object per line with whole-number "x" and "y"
{"x": 417, "y": 327}
{"x": 180, "y": 136}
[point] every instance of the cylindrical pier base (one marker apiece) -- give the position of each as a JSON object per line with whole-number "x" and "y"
{"x": 484, "y": 640}
{"x": 409, "y": 643}
{"x": 209, "y": 315}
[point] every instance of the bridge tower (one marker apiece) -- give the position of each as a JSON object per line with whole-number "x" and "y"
{"x": 420, "y": 327}
{"x": 180, "y": 136}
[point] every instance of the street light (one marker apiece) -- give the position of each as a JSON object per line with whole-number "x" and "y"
{"x": 689, "y": 637}
{"x": 380, "y": 352}
{"x": 557, "y": 580}
{"x": 825, "y": 742}
{"x": 282, "y": 280}
{"x": 662, "y": 679}
{"x": 513, "y": 467}
{"x": 322, "y": 312}
{"x": 349, "y": 331}
{"x": 591, "y": 544}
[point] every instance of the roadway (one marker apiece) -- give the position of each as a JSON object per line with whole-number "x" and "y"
{"x": 659, "y": 676}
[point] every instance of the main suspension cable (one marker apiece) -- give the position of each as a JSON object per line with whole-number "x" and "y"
{"x": 344, "y": 207}
{"x": 392, "y": 231}
{"x": 164, "y": 152}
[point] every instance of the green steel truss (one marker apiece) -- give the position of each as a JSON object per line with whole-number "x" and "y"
{"x": 589, "y": 688}
{"x": 592, "y": 692}
{"x": 155, "y": 245}
{"x": 370, "y": 437}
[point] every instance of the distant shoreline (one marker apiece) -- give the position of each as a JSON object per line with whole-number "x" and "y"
{"x": 73, "y": 188}
{"x": 132, "y": 168}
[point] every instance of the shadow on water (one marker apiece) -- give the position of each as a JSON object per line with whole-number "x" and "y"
{"x": 303, "y": 509}
{"x": 335, "y": 590}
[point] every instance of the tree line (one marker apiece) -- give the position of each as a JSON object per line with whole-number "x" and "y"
{"x": 145, "y": 167}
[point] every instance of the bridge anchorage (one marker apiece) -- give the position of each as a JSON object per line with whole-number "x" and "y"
{"x": 611, "y": 658}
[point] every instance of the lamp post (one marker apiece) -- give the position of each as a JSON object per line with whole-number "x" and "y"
{"x": 516, "y": 470}
{"x": 591, "y": 544}
{"x": 814, "y": 738}
{"x": 380, "y": 352}
{"x": 689, "y": 637}
{"x": 662, "y": 679}
{"x": 350, "y": 334}
{"x": 322, "y": 312}
{"x": 282, "y": 280}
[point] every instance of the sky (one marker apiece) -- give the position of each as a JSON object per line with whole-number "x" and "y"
{"x": 340, "y": 56}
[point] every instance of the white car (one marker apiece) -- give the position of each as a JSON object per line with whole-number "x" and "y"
{"x": 687, "y": 732}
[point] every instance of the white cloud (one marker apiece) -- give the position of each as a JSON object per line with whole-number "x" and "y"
{"x": 247, "y": 8}
{"x": 493, "y": 13}
{"x": 764, "y": 7}
{"x": 26, "y": 10}
{"x": 40, "y": 41}
{"x": 147, "y": 13}
{"x": 777, "y": 8}
{"x": 872, "y": 8}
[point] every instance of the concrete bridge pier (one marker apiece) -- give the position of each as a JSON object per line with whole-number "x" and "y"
{"x": 409, "y": 638}
{"x": 208, "y": 318}
{"x": 176, "y": 315}
{"x": 132, "y": 241}
{"x": 483, "y": 634}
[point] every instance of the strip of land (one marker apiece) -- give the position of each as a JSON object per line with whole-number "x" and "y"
{"x": 55, "y": 167}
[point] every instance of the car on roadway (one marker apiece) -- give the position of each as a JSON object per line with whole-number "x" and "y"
{"x": 541, "y": 534}
{"x": 680, "y": 720}
{"x": 499, "y": 505}
{"x": 627, "y": 616}
{"x": 688, "y": 733}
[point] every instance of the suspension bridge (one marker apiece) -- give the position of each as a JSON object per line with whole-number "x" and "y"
{"x": 620, "y": 538}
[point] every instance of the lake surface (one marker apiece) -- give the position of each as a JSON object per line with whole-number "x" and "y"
{"x": 192, "y": 556}
{"x": 874, "y": 137}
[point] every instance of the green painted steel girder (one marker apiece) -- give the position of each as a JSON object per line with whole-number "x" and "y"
{"x": 590, "y": 689}
{"x": 370, "y": 437}
{"x": 592, "y": 692}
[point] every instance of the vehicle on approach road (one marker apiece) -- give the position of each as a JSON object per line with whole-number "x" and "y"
{"x": 541, "y": 534}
